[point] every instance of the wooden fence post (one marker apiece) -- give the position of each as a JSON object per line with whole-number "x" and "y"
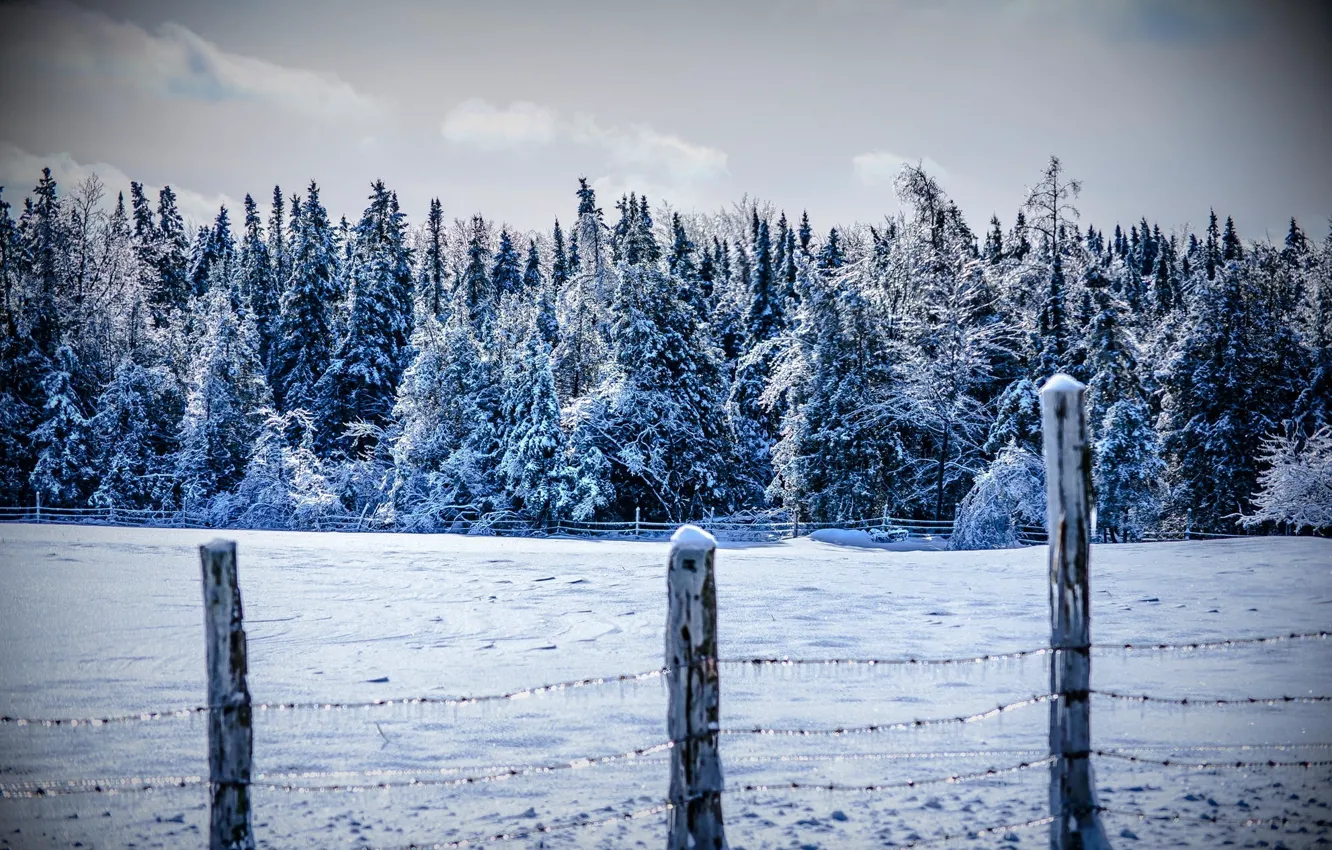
{"x": 1077, "y": 821}
{"x": 230, "y": 736}
{"x": 693, "y": 715}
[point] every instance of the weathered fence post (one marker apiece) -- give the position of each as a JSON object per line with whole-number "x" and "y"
{"x": 230, "y": 736}
{"x": 1077, "y": 821}
{"x": 694, "y": 713}
{"x": 637, "y": 517}
{"x": 795, "y": 522}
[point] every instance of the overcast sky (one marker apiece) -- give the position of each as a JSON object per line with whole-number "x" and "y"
{"x": 1162, "y": 108}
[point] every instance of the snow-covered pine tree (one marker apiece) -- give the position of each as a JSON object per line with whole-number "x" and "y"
{"x": 172, "y": 290}
{"x": 258, "y": 287}
{"x": 302, "y": 345}
{"x": 432, "y": 278}
{"x": 225, "y": 405}
{"x": 279, "y": 245}
{"x": 753, "y": 424}
{"x": 1212, "y": 414}
{"x": 441, "y": 471}
{"x": 534, "y": 457}
{"x": 475, "y": 291}
{"x": 660, "y": 418}
{"x": 362, "y": 377}
{"x": 533, "y": 279}
{"x": 63, "y": 475}
{"x": 581, "y": 352}
{"x": 1127, "y": 471}
{"x": 215, "y": 246}
{"x": 136, "y": 432}
{"x": 505, "y": 274}
{"x": 559, "y": 261}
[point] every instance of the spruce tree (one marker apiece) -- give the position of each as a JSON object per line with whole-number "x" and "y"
{"x": 258, "y": 287}
{"x": 533, "y": 279}
{"x": 361, "y": 380}
{"x": 440, "y": 468}
{"x": 432, "y": 278}
{"x": 505, "y": 275}
{"x": 559, "y": 265}
{"x": 303, "y": 343}
{"x": 1212, "y": 411}
{"x": 135, "y": 430}
{"x": 63, "y": 475}
{"x": 533, "y": 461}
{"x": 225, "y": 406}
{"x": 172, "y": 290}
{"x": 475, "y": 288}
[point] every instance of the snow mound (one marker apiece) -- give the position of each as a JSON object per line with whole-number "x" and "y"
{"x": 865, "y": 540}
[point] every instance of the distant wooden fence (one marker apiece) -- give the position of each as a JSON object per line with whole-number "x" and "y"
{"x": 761, "y": 527}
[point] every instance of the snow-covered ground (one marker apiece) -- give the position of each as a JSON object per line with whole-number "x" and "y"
{"x": 98, "y": 621}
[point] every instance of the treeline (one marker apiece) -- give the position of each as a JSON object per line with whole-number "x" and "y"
{"x": 292, "y": 367}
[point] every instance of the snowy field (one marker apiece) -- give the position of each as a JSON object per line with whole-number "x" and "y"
{"x": 97, "y": 621}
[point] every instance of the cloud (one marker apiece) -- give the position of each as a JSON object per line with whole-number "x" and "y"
{"x": 20, "y": 170}
{"x": 173, "y": 61}
{"x": 882, "y": 167}
{"x": 479, "y": 125}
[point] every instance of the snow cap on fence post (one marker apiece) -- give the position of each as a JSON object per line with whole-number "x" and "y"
{"x": 1077, "y": 822}
{"x": 693, "y": 713}
{"x": 230, "y": 734}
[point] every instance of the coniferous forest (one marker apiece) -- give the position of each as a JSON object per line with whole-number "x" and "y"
{"x": 279, "y": 365}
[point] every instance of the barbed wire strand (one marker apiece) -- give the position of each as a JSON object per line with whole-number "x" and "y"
{"x": 275, "y": 781}
{"x": 1210, "y": 702}
{"x": 1225, "y": 643}
{"x": 1280, "y": 821}
{"x": 908, "y": 661}
{"x": 625, "y": 678}
{"x": 511, "y": 696}
{"x": 894, "y": 727}
{"x": 952, "y": 779}
{"x": 535, "y": 831}
{"x": 112, "y": 786}
{"x": 1211, "y": 765}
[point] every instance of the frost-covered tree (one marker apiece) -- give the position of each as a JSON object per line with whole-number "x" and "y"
{"x": 136, "y": 434}
{"x": 533, "y": 463}
{"x": 505, "y": 274}
{"x": 225, "y": 405}
{"x": 258, "y": 286}
{"x": 1127, "y": 471}
{"x": 441, "y": 470}
{"x": 172, "y": 289}
{"x": 1295, "y": 489}
{"x": 283, "y": 486}
{"x": 362, "y": 378}
{"x": 1017, "y": 418}
{"x": 1008, "y": 495}
{"x": 660, "y": 418}
{"x": 475, "y": 290}
{"x": 1213, "y": 413}
{"x": 303, "y": 341}
{"x": 432, "y": 278}
{"x": 64, "y": 474}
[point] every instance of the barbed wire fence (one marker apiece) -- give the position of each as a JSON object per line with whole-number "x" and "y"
{"x": 690, "y": 752}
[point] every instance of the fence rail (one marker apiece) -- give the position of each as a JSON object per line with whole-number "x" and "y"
{"x": 761, "y": 527}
